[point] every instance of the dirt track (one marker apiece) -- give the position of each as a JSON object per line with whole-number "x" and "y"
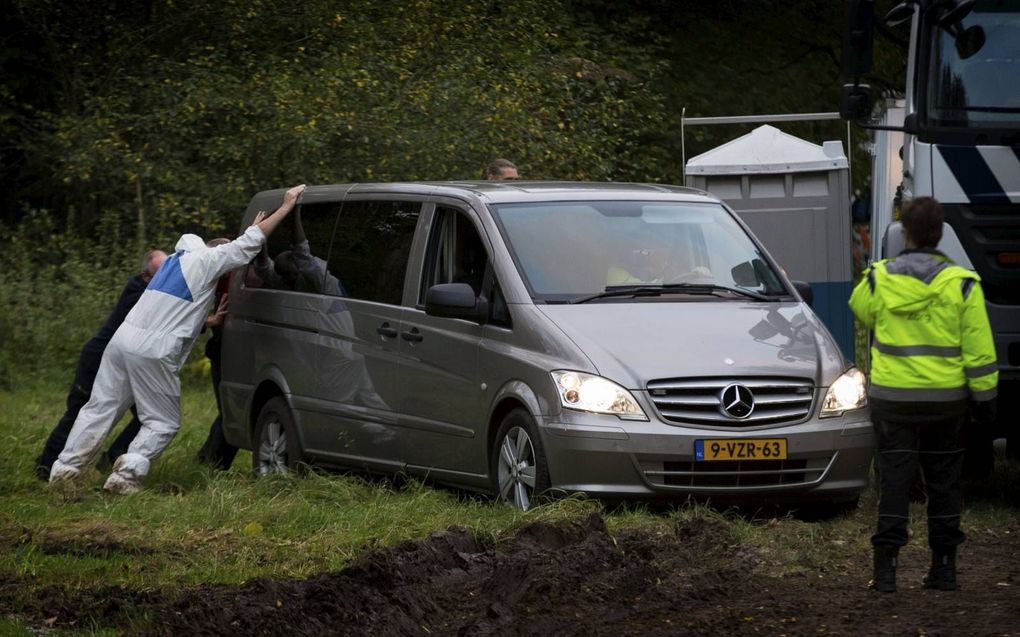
{"x": 579, "y": 580}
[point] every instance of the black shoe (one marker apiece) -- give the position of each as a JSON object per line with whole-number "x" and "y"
{"x": 42, "y": 472}
{"x": 942, "y": 574}
{"x": 883, "y": 579}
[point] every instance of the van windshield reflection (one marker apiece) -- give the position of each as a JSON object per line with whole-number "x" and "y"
{"x": 580, "y": 251}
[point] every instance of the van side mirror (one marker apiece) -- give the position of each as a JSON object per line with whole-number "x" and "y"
{"x": 456, "y": 300}
{"x": 804, "y": 290}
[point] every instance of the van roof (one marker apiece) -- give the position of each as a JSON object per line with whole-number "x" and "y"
{"x": 511, "y": 191}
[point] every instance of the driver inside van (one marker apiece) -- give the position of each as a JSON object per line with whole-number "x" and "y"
{"x": 651, "y": 263}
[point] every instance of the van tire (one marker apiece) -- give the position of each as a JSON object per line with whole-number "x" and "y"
{"x": 276, "y": 448}
{"x": 521, "y": 474}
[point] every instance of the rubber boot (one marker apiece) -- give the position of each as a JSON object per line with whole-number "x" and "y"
{"x": 942, "y": 574}
{"x": 884, "y": 578}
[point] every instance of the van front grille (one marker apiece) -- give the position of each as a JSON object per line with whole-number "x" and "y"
{"x": 732, "y": 402}
{"x": 735, "y": 474}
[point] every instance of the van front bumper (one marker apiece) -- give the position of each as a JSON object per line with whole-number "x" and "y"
{"x": 827, "y": 459}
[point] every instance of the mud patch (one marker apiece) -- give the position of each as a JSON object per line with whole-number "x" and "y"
{"x": 576, "y": 579}
{"x": 549, "y": 579}
{"x": 67, "y": 609}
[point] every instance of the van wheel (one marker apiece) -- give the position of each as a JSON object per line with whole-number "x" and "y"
{"x": 519, "y": 470}
{"x": 276, "y": 446}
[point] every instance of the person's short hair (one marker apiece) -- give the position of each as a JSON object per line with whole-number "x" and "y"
{"x": 922, "y": 221}
{"x": 494, "y": 170}
{"x": 218, "y": 241}
{"x": 147, "y": 261}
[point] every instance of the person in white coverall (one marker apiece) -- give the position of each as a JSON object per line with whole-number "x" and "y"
{"x": 141, "y": 362}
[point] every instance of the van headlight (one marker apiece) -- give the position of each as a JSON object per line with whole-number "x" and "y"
{"x": 849, "y": 392}
{"x": 587, "y": 392}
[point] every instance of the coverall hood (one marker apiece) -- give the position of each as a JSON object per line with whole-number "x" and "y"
{"x": 920, "y": 279}
{"x": 189, "y": 243}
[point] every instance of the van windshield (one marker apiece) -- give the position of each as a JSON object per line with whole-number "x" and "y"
{"x": 569, "y": 250}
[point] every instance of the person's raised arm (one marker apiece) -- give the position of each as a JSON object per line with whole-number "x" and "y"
{"x": 269, "y": 223}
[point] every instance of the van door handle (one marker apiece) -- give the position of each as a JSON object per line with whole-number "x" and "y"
{"x": 413, "y": 336}
{"x": 386, "y": 330}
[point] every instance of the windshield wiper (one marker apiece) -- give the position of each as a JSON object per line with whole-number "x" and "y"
{"x": 696, "y": 288}
{"x": 621, "y": 290}
{"x": 658, "y": 290}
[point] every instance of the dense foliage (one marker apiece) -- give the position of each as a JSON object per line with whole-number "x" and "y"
{"x": 124, "y": 123}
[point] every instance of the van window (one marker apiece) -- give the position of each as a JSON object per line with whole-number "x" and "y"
{"x": 294, "y": 258}
{"x": 456, "y": 253}
{"x": 568, "y": 250}
{"x": 371, "y": 246}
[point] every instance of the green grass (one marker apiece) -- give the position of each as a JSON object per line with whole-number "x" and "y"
{"x": 192, "y": 525}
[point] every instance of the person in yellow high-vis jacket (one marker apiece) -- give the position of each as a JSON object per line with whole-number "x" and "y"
{"x": 932, "y": 354}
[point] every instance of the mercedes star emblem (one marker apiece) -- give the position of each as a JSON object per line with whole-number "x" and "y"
{"x": 736, "y": 401}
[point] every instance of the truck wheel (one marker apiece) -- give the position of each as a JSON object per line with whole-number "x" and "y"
{"x": 518, "y": 466}
{"x": 276, "y": 445}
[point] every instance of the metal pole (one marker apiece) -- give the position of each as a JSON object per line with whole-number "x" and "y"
{"x": 683, "y": 149}
{"x": 756, "y": 119}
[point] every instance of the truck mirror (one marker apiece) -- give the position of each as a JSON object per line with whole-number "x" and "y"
{"x": 899, "y": 14}
{"x": 855, "y": 102}
{"x": 858, "y": 39}
{"x": 969, "y": 41}
{"x": 958, "y": 11}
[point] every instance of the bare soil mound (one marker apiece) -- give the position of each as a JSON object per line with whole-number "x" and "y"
{"x": 577, "y": 579}
{"x": 572, "y": 579}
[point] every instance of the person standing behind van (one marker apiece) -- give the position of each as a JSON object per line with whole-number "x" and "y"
{"x": 932, "y": 352}
{"x": 88, "y": 365}
{"x": 500, "y": 170}
{"x": 142, "y": 361}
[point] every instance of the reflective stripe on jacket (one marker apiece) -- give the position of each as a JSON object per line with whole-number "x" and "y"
{"x": 932, "y": 340}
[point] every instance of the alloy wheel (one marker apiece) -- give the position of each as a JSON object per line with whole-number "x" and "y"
{"x": 516, "y": 469}
{"x": 273, "y": 449}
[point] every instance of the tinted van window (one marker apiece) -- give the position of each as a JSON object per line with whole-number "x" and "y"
{"x": 371, "y": 246}
{"x": 456, "y": 253}
{"x": 294, "y": 258}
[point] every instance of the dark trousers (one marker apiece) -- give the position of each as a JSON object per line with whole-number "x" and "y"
{"x": 216, "y": 451}
{"x": 925, "y": 434}
{"x": 76, "y": 399}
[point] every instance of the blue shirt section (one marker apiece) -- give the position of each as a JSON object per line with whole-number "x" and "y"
{"x": 170, "y": 280}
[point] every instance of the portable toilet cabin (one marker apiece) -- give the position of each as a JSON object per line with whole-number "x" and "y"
{"x": 795, "y": 196}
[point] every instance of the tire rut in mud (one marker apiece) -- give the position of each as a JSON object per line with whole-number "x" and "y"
{"x": 565, "y": 579}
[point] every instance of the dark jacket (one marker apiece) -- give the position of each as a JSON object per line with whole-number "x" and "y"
{"x": 92, "y": 352}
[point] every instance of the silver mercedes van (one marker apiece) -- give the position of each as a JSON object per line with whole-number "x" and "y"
{"x": 622, "y": 340}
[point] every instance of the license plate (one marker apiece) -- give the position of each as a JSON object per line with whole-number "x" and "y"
{"x": 740, "y": 449}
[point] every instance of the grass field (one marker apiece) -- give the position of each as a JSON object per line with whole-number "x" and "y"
{"x": 192, "y": 525}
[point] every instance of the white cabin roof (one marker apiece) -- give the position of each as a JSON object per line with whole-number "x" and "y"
{"x": 767, "y": 149}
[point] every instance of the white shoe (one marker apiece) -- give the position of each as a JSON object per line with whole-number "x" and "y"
{"x": 61, "y": 471}
{"x": 121, "y": 485}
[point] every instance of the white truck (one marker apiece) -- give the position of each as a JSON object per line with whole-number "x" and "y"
{"x": 954, "y": 134}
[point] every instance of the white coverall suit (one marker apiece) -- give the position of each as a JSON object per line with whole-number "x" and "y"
{"x": 142, "y": 361}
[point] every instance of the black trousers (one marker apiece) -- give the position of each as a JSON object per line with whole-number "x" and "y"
{"x": 929, "y": 435}
{"x": 216, "y": 451}
{"x": 76, "y": 399}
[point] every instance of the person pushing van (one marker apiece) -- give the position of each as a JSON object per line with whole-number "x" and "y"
{"x": 141, "y": 362}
